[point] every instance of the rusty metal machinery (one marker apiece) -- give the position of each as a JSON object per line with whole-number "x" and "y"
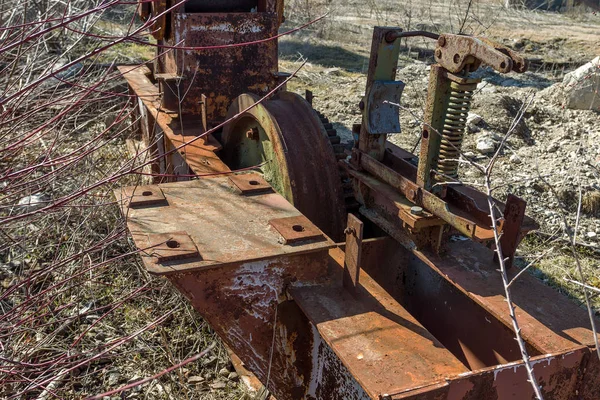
{"x": 200, "y": 89}
{"x": 447, "y": 207}
{"x": 394, "y": 307}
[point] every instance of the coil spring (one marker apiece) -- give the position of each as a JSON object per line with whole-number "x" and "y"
{"x": 455, "y": 122}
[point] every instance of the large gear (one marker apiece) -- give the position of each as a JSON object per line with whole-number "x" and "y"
{"x": 285, "y": 137}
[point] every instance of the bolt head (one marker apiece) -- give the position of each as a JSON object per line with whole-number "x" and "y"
{"x": 442, "y": 41}
{"x": 252, "y": 134}
{"x": 416, "y": 210}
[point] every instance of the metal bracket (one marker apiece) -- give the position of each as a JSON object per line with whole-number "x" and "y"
{"x": 172, "y": 246}
{"x": 296, "y": 229}
{"x": 250, "y": 183}
{"x": 514, "y": 215}
{"x": 353, "y": 252}
{"x": 383, "y": 114}
{"x": 140, "y": 196}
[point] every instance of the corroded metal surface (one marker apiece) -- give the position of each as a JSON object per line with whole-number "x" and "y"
{"x": 549, "y": 321}
{"x": 469, "y": 331}
{"x": 137, "y": 196}
{"x": 457, "y": 52}
{"x": 293, "y": 153}
{"x": 226, "y": 226}
{"x": 563, "y": 375}
{"x": 383, "y": 346}
{"x": 250, "y": 183}
{"x": 239, "y": 280}
{"x": 296, "y": 229}
{"x": 169, "y": 246}
{"x": 221, "y": 74}
{"x": 165, "y": 130}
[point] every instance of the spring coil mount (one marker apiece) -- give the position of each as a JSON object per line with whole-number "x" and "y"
{"x": 453, "y": 132}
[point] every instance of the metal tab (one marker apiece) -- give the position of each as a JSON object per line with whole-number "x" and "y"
{"x": 514, "y": 215}
{"x": 250, "y": 183}
{"x": 296, "y": 229}
{"x": 383, "y": 116}
{"x": 140, "y": 196}
{"x": 172, "y": 246}
{"x": 353, "y": 253}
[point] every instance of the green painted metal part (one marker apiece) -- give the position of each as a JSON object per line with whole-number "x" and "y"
{"x": 286, "y": 140}
{"x": 382, "y": 67}
{"x": 435, "y": 111}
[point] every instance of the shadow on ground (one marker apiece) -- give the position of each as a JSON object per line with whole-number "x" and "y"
{"x": 327, "y": 56}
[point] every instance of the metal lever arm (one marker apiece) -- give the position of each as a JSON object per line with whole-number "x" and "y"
{"x": 457, "y": 53}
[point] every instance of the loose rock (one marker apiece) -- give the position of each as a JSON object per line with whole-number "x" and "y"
{"x": 34, "y": 202}
{"x": 485, "y": 145}
{"x": 473, "y": 119}
{"x": 232, "y": 376}
{"x": 515, "y": 159}
{"x": 581, "y": 87}
{"x": 218, "y": 385}
{"x": 195, "y": 380}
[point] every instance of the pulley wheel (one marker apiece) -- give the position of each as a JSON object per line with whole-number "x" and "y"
{"x": 285, "y": 138}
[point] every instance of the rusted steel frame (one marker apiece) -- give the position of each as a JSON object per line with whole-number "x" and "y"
{"x": 472, "y": 333}
{"x": 353, "y": 253}
{"x": 220, "y": 74}
{"x": 460, "y": 220}
{"x": 465, "y": 198}
{"x": 199, "y": 155}
{"x": 383, "y": 64}
{"x": 390, "y": 211}
{"x": 243, "y": 236}
{"x": 245, "y": 305}
{"x": 563, "y": 375}
{"x": 238, "y": 279}
{"x": 452, "y": 315}
{"x": 549, "y": 321}
{"x": 382, "y": 345}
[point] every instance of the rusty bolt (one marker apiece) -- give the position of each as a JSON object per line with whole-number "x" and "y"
{"x": 252, "y": 134}
{"x": 442, "y": 41}
{"x": 416, "y": 210}
{"x": 438, "y": 53}
{"x": 350, "y": 231}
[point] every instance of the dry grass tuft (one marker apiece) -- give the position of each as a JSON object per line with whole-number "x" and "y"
{"x": 590, "y": 203}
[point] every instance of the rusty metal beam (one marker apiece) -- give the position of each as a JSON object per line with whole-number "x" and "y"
{"x": 200, "y": 155}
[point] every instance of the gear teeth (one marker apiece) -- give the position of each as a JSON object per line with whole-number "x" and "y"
{"x": 341, "y": 153}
